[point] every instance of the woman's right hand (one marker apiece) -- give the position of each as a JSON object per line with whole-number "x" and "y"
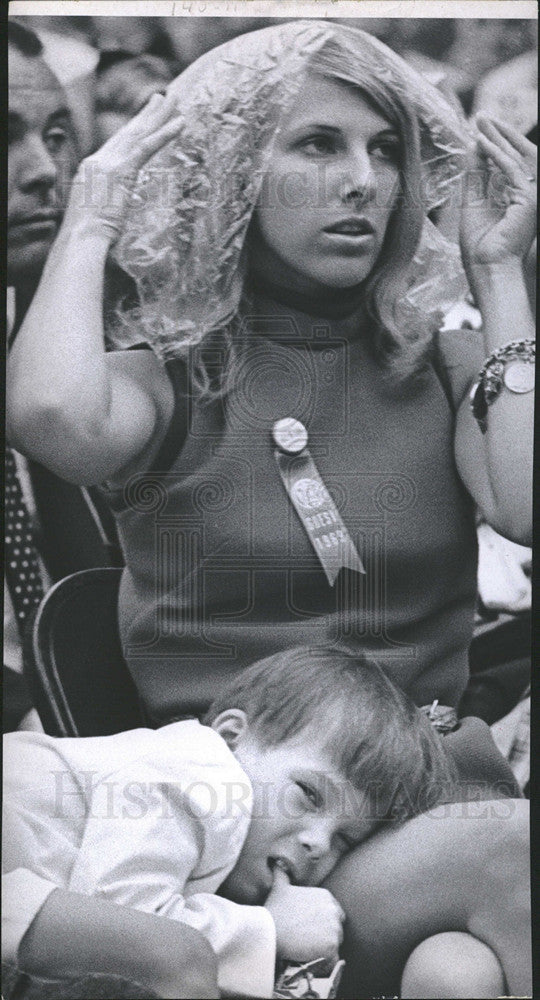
{"x": 102, "y": 186}
{"x": 82, "y": 412}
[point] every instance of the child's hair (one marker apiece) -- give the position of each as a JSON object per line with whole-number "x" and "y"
{"x": 374, "y": 734}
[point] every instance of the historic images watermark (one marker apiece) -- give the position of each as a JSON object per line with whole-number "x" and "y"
{"x": 87, "y": 794}
{"x": 469, "y": 185}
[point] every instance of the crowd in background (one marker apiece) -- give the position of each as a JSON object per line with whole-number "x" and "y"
{"x": 112, "y": 65}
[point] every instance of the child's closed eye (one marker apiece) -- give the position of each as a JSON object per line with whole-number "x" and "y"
{"x": 310, "y": 794}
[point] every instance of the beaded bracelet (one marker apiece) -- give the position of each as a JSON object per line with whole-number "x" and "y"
{"x": 511, "y": 366}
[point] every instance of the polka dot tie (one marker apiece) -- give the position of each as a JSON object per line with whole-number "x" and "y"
{"x": 21, "y": 562}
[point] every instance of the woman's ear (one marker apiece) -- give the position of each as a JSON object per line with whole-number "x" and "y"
{"x": 232, "y": 725}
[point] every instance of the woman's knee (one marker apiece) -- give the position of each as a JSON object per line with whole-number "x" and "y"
{"x": 452, "y": 965}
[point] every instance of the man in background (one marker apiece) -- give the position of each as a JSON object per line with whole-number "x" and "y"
{"x": 52, "y": 527}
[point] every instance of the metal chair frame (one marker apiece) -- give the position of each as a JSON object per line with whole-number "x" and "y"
{"x": 75, "y": 666}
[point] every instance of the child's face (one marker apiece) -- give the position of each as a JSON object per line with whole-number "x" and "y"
{"x": 306, "y": 813}
{"x": 329, "y": 191}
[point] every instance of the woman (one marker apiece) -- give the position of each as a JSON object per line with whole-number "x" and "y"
{"x": 280, "y": 225}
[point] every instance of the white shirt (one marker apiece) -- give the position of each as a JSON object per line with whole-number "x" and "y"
{"x": 152, "y": 819}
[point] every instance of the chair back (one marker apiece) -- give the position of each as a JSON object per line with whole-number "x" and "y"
{"x": 76, "y": 671}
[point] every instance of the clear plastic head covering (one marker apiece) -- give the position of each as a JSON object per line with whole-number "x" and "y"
{"x": 191, "y": 205}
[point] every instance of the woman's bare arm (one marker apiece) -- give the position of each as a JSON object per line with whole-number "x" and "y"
{"x": 77, "y": 410}
{"x": 497, "y": 467}
{"x": 498, "y": 227}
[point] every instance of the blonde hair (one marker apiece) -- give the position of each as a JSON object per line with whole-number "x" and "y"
{"x": 399, "y": 348}
{"x": 187, "y": 251}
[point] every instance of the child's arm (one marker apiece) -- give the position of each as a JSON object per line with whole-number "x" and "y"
{"x": 75, "y": 935}
{"x": 152, "y": 845}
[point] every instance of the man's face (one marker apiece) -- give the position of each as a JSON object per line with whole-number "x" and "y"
{"x": 41, "y": 163}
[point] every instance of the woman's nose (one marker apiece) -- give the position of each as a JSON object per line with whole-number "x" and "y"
{"x": 358, "y": 184}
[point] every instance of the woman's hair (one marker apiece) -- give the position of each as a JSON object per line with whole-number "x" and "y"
{"x": 374, "y": 734}
{"x": 185, "y": 242}
{"x": 386, "y": 282}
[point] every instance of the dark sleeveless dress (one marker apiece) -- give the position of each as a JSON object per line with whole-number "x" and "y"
{"x": 219, "y": 569}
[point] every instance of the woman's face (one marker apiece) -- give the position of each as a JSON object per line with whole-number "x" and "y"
{"x": 329, "y": 191}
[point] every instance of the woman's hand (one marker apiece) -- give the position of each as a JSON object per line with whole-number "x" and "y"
{"x": 103, "y": 184}
{"x": 498, "y": 225}
{"x": 498, "y": 222}
{"x": 81, "y": 412}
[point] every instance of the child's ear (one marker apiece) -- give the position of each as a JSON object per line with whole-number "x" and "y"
{"x": 232, "y": 725}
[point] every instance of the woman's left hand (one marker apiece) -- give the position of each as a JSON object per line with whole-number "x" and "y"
{"x": 498, "y": 222}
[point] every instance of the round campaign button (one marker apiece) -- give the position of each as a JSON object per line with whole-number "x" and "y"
{"x": 290, "y": 435}
{"x": 519, "y": 376}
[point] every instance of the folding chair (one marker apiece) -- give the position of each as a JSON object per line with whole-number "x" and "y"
{"x": 75, "y": 668}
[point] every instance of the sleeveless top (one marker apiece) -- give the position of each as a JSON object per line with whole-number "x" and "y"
{"x": 219, "y": 569}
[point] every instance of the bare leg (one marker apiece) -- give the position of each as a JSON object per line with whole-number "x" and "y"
{"x": 463, "y": 866}
{"x": 452, "y": 965}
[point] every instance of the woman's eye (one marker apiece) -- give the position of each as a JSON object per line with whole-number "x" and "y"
{"x": 55, "y": 139}
{"x": 386, "y": 149}
{"x": 309, "y": 793}
{"x": 318, "y": 145}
